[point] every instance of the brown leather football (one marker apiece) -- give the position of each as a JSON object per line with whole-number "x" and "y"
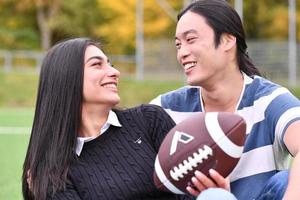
{"x": 200, "y": 142}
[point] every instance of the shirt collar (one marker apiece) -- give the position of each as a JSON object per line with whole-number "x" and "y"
{"x": 111, "y": 120}
{"x": 246, "y": 80}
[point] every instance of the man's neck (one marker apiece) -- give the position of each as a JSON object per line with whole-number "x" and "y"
{"x": 224, "y": 96}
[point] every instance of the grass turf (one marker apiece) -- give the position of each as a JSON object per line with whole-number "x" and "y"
{"x": 12, "y": 151}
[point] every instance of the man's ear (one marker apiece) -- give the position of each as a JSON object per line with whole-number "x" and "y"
{"x": 228, "y": 41}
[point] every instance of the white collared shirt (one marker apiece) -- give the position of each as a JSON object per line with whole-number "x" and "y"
{"x": 111, "y": 120}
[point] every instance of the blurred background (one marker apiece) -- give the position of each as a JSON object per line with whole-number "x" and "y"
{"x": 138, "y": 36}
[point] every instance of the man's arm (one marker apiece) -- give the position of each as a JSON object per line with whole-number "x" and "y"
{"x": 292, "y": 141}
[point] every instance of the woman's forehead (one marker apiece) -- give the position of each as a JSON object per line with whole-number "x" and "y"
{"x": 94, "y": 51}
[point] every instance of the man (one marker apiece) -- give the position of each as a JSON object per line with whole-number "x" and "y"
{"x": 211, "y": 48}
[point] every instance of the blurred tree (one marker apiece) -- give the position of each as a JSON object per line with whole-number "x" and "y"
{"x": 16, "y": 30}
{"x": 278, "y": 24}
{"x": 33, "y": 23}
{"x": 78, "y": 18}
{"x": 47, "y": 20}
{"x": 266, "y": 19}
{"x": 119, "y": 29}
{"x": 46, "y": 10}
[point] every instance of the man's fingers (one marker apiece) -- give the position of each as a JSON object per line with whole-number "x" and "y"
{"x": 219, "y": 179}
{"x": 207, "y": 182}
{"x": 201, "y": 182}
{"x": 192, "y": 191}
{"x": 198, "y": 184}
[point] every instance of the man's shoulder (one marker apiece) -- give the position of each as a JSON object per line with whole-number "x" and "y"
{"x": 183, "y": 90}
{"x": 184, "y": 99}
{"x": 260, "y": 87}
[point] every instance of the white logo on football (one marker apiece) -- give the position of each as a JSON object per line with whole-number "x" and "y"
{"x": 179, "y": 137}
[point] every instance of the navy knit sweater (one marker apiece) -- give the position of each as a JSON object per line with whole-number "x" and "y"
{"x": 119, "y": 164}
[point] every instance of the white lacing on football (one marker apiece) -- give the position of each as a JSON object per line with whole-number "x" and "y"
{"x": 191, "y": 162}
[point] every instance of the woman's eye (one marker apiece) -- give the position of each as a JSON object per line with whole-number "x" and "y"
{"x": 96, "y": 64}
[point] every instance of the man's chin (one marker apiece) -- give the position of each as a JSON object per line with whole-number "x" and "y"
{"x": 192, "y": 82}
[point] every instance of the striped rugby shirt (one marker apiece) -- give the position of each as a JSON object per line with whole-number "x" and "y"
{"x": 268, "y": 110}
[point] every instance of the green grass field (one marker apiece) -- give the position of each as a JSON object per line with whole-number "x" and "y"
{"x": 14, "y": 135}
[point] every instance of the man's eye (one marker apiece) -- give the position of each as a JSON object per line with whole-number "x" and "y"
{"x": 177, "y": 45}
{"x": 190, "y": 39}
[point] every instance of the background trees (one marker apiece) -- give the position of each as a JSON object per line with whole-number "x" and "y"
{"x": 37, "y": 24}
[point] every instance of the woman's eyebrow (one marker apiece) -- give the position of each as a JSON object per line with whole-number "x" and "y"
{"x": 94, "y": 57}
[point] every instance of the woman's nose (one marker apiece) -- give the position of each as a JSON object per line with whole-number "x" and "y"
{"x": 113, "y": 71}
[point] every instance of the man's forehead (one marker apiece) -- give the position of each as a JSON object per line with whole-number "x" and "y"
{"x": 184, "y": 33}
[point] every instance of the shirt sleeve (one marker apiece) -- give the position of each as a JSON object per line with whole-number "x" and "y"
{"x": 282, "y": 111}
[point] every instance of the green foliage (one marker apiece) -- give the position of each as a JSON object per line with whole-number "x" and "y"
{"x": 120, "y": 28}
{"x": 18, "y": 28}
{"x": 114, "y": 22}
{"x": 266, "y": 19}
{"x": 77, "y": 18}
{"x": 19, "y": 38}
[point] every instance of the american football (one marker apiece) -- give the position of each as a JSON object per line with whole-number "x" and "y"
{"x": 200, "y": 142}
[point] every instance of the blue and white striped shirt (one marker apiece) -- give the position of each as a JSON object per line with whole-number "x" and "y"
{"x": 268, "y": 110}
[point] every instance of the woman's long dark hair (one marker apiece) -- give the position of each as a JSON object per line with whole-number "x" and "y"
{"x": 56, "y": 121}
{"x": 222, "y": 18}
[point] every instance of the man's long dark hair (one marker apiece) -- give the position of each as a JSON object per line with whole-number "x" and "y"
{"x": 222, "y": 18}
{"x": 57, "y": 119}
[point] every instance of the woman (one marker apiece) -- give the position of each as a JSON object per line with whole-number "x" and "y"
{"x": 82, "y": 148}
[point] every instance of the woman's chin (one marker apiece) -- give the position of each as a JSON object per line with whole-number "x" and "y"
{"x": 116, "y": 101}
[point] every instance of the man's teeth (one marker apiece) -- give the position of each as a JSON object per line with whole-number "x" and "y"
{"x": 189, "y": 65}
{"x": 110, "y": 86}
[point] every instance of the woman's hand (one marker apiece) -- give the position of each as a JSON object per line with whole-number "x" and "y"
{"x": 202, "y": 182}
